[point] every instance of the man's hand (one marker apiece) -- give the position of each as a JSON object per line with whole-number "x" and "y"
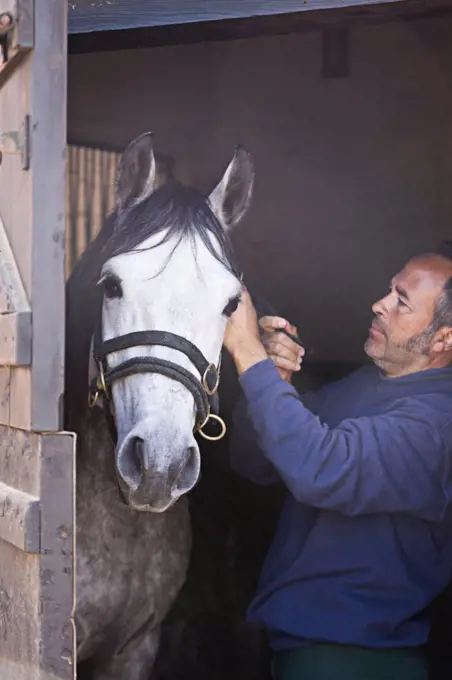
{"x": 242, "y": 338}
{"x": 284, "y": 352}
{"x": 248, "y": 346}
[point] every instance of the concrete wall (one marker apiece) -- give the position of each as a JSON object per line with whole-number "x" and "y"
{"x": 352, "y": 174}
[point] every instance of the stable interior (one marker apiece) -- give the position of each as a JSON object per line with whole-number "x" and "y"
{"x": 351, "y": 134}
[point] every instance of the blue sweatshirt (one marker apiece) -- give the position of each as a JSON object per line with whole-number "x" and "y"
{"x": 364, "y": 542}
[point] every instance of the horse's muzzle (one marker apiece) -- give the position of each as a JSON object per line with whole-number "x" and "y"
{"x": 151, "y": 480}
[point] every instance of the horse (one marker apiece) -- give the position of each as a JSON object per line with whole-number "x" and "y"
{"x": 146, "y": 310}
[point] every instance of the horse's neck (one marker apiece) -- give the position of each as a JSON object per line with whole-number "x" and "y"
{"x": 95, "y": 448}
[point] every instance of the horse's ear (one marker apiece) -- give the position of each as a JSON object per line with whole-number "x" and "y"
{"x": 136, "y": 173}
{"x": 231, "y": 198}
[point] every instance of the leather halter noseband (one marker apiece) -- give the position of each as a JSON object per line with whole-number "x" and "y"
{"x": 203, "y": 390}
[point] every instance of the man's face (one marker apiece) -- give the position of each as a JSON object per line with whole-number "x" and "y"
{"x": 401, "y": 335}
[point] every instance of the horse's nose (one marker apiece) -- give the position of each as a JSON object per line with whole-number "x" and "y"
{"x": 150, "y": 478}
{"x": 138, "y": 457}
{"x": 188, "y": 473}
{"x": 131, "y": 462}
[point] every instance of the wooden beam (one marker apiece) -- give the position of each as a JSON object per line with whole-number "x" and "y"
{"x": 86, "y": 16}
{"x": 20, "y": 516}
{"x": 15, "y": 311}
{"x": 48, "y": 110}
{"x": 37, "y": 554}
{"x": 249, "y": 27}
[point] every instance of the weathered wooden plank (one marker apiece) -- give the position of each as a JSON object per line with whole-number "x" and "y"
{"x": 15, "y": 339}
{"x": 20, "y": 460}
{"x": 20, "y": 398}
{"x": 36, "y": 470}
{"x": 25, "y": 23}
{"x": 19, "y": 519}
{"x": 15, "y": 184}
{"x": 37, "y": 590}
{"x": 19, "y": 613}
{"x": 13, "y": 297}
{"x": 48, "y": 86}
{"x": 17, "y": 670}
{"x": 16, "y": 235}
{"x": 33, "y": 213}
{"x": 57, "y": 595}
{"x": 5, "y": 388}
{"x": 15, "y": 313}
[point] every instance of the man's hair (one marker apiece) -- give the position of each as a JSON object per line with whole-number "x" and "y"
{"x": 443, "y": 312}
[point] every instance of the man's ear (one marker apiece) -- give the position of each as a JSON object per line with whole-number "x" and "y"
{"x": 442, "y": 342}
{"x": 448, "y": 339}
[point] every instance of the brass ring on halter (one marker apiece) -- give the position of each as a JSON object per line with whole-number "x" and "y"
{"x": 217, "y": 437}
{"x": 92, "y": 399}
{"x": 205, "y": 384}
{"x": 101, "y": 387}
{"x": 101, "y": 384}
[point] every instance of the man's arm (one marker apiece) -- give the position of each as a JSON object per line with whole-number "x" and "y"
{"x": 246, "y": 456}
{"x": 397, "y": 462}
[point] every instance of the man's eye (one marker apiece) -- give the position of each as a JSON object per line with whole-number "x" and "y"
{"x": 401, "y": 303}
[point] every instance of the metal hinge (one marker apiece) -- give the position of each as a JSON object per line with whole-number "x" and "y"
{"x": 17, "y": 142}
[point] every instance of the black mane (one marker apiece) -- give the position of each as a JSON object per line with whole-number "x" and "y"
{"x": 179, "y": 211}
{"x": 174, "y": 210}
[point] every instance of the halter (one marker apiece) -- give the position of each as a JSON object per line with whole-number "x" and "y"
{"x": 204, "y": 391}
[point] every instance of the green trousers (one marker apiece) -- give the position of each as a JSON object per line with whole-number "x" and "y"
{"x": 343, "y": 662}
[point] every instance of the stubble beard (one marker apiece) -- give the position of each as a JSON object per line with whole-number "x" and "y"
{"x": 400, "y": 355}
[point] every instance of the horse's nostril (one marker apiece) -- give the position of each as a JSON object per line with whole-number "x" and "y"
{"x": 188, "y": 471}
{"x": 131, "y": 464}
{"x": 137, "y": 454}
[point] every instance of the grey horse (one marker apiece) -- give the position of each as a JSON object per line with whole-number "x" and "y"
{"x": 147, "y": 306}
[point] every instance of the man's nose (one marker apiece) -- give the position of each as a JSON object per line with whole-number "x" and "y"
{"x": 380, "y": 308}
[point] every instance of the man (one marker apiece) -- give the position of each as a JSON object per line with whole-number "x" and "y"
{"x": 364, "y": 543}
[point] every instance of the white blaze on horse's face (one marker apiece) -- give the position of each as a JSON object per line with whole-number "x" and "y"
{"x": 176, "y": 286}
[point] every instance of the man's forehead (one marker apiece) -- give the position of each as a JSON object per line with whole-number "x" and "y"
{"x": 424, "y": 276}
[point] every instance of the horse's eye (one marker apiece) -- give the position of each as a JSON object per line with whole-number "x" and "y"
{"x": 112, "y": 287}
{"x": 231, "y": 306}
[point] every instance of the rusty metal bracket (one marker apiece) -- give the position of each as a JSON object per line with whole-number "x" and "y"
{"x": 17, "y": 142}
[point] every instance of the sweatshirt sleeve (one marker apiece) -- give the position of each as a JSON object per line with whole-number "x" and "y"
{"x": 246, "y": 455}
{"x": 395, "y": 462}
